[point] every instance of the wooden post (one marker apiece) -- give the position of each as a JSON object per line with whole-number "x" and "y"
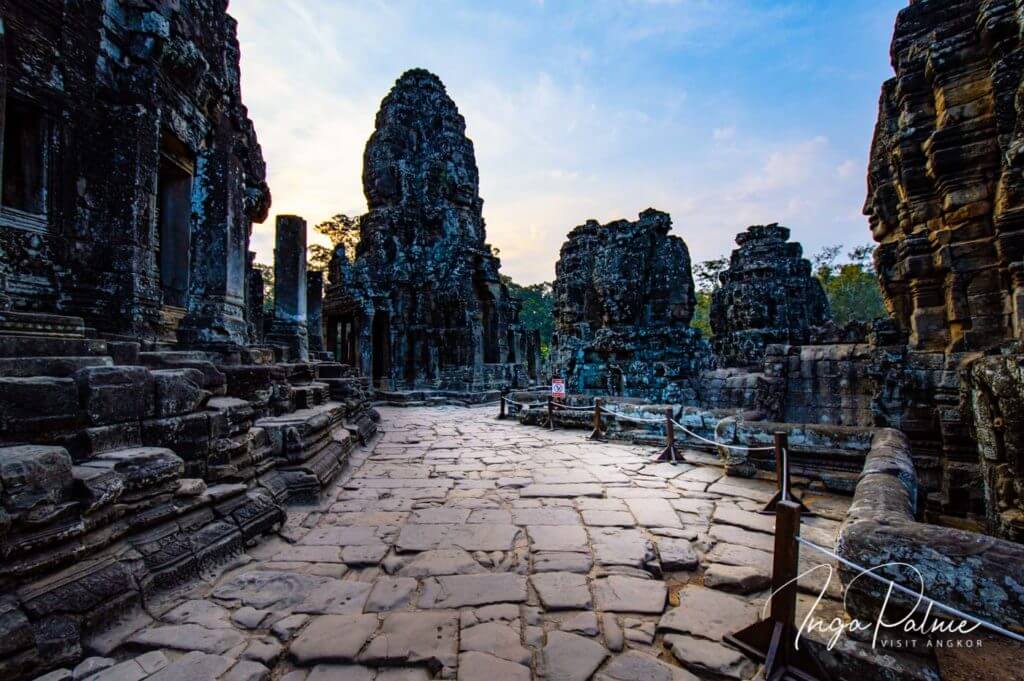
{"x": 670, "y": 453}
{"x": 598, "y": 433}
{"x": 501, "y": 409}
{"x": 782, "y": 476}
{"x": 773, "y": 640}
{"x": 551, "y": 413}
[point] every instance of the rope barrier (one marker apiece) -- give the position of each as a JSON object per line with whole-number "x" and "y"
{"x": 721, "y": 444}
{"x": 908, "y": 592}
{"x": 634, "y": 419}
{"x": 568, "y": 407}
{"x": 509, "y": 400}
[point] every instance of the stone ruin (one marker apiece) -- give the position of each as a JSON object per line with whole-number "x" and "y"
{"x": 148, "y": 429}
{"x": 423, "y": 306}
{"x": 623, "y": 302}
{"x": 767, "y": 296}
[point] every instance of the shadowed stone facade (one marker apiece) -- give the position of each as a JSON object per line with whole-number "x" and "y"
{"x": 423, "y": 305}
{"x": 146, "y": 437}
{"x": 767, "y": 295}
{"x": 623, "y": 302}
{"x": 132, "y": 174}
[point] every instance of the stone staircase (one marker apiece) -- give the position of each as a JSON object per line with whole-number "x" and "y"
{"x": 118, "y": 480}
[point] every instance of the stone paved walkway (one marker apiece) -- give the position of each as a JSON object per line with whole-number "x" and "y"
{"x": 470, "y": 548}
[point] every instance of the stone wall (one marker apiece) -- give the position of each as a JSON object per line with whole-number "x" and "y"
{"x": 944, "y": 184}
{"x": 423, "y": 299}
{"x": 767, "y": 295}
{"x": 623, "y": 302}
{"x": 132, "y": 174}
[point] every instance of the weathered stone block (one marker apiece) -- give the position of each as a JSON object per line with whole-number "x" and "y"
{"x": 116, "y": 394}
{"x": 179, "y": 391}
{"x": 33, "y": 476}
{"x": 37, "y": 404}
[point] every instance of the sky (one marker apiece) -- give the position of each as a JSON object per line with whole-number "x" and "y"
{"x": 723, "y": 113}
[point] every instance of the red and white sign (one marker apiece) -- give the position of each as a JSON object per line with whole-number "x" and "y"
{"x": 558, "y": 387}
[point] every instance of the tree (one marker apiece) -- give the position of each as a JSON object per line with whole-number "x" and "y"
{"x": 707, "y": 277}
{"x": 342, "y": 230}
{"x": 538, "y": 309}
{"x": 318, "y": 257}
{"x": 852, "y": 287}
{"x": 268, "y": 285}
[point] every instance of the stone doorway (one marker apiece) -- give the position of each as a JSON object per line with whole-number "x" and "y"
{"x": 174, "y": 221}
{"x": 381, "y": 347}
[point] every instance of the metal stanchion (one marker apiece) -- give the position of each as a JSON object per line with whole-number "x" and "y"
{"x": 670, "y": 453}
{"x": 784, "y": 493}
{"x": 501, "y": 409}
{"x": 598, "y": 433}
{"x": 773, "y": 640}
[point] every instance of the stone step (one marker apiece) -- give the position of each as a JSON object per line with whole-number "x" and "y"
{"x": 145, "y": 470}
{"x": 56, "y": 367}
{"x": 38, "y": 324}
{"x": 45, "y": 346}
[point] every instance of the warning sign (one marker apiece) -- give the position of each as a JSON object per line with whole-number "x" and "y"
{"x": 558, "y": 387}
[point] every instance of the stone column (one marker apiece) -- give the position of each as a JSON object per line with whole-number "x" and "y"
{"x": 314, "y": 311}
{"x": 289, "y": 328}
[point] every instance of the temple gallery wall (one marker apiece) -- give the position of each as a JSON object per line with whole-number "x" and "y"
{"x": 155, "y": 420}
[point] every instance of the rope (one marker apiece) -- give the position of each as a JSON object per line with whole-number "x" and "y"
{"x": 721, "y": 444}
{"x": 509, "y": 400}
{"x": 908, "y": 592}
{"x": 567, "y": 407}
{"x": 634, "y": 419}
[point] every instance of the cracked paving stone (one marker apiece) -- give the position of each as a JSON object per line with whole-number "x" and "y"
{"x": 415, "y": 638}
{"x": 390, "y": 593}
{"x": 562, "y": 590}
{"x": 584, "y": 623}
{"x": 629, "y": 594}
{"x": 439, "y": 562}
{"x": 677, "y": 554}
{"x": 708, "y": 613}
{"x": 195, "y": 666}
{"x": 703, "y": 656}
{"x": 467, "y": 537}
{"x": 735, "y": 579}
{"x": 731, "y": 534}
{"x": 286, "y": 592}
{"x": 247, "y": 670}
{"x": 476, "y": 666}
{"x": 440, "y": 516}
{"x": 566, "y": 491}
{"x": 458, "y": 591}
{"x": 654, "y": 513}
{"x": 568, "y": 657}
{"x": 545, "y": 516}
{"x": 556, "y": 561}
{"x": 603, "y": 518}
{"x": 567, "y": 538}
{"x": 332, "y": 638}
{"x": 614, "y": 546}
{"x": 637, "y": 666}
{"x": 188, "y": 637}
{"x": 495, "y": 639}
{"x": 286, "y": 627}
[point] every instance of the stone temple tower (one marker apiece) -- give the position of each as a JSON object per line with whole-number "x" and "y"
{"x": 423, "y": 305}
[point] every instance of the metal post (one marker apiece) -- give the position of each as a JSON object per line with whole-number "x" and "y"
{"x": 598, "y": 433}
{"x": 501, "y": 409}
{"x": 782, "y": 476}
{"x": 773, "y": 640}
{"x": 670, "y": 453}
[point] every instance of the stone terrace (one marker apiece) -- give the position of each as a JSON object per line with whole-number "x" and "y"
{"x": 462, "y": 546}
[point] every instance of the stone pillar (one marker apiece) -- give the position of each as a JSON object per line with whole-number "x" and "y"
{"x": 254, "y": 299}
{"x": 314, "y": 311}
{"x": 289, "y": 328}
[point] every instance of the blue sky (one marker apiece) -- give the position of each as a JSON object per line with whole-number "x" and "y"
{"x": 724, "y": 113}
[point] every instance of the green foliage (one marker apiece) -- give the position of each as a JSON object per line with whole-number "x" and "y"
{"x": 268, "y": 285}
{"x": 342, "y": 230}
{"x": 852, "y": 288}
{"x": 706, "y": 277}
{"x": 318, "y": 257}
{"x": 702, "y": 313}
{"x": 538, "y": 309}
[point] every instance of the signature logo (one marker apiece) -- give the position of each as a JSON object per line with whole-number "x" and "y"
{"x": 917, "y": 621}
